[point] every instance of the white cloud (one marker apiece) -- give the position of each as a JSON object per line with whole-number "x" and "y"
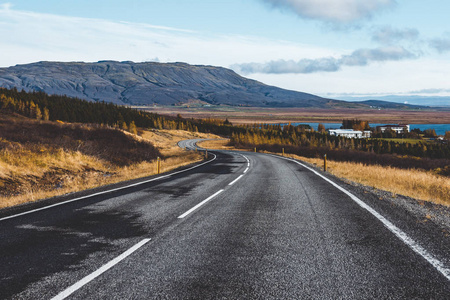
{"x": 441, "y": 44}
{"x": 360, "y": 57}
{"x": 335, "y": 11}
{"x": 5, "y": 6}
{"x": 430, "y": 91}
{"x": 388, "y": 35}
{"x": 40, "y": 37}
{"x": 397, "y": 77}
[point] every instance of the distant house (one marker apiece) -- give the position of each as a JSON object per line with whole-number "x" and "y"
{"x": 350, "y": 133}
{"x": 399, "y": 128}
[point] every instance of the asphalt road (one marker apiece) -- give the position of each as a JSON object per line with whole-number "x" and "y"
{"x": 242, "y": 226}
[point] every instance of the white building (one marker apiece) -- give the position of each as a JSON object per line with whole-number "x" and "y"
{"x": 350, "y": 133}
{"x": 399, "y": 128}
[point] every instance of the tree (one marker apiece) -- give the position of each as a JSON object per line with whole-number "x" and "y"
{"x": 321, "y": 128}
{"x": 431, "y": 133}
{"x": 355, "y": 124}
{"x": 447, "y": 135}
{"x": 46, "y": 114}
{"x": 37, "y": 113}
{"x": 132, "y": 128}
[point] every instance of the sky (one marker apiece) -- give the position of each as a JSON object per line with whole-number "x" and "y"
{"x": 342, "y": 49}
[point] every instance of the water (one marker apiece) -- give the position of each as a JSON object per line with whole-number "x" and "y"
{"x": 439, "y": 128}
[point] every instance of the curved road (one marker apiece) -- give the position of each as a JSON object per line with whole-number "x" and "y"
{"x": 241, "y": 226}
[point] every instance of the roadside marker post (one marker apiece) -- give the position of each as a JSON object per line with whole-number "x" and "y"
{"x": 206, "y": 153}
{"x": 283, "y": 151}
{"x": 325, "y": 162}
{"x": 255, "y": 149}
{"x": 158, "y": 165}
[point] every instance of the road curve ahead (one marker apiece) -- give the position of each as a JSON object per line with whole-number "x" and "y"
{"x": 242, "y": 226}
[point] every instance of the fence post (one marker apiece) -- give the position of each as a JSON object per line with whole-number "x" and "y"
{"x": 325, "y": 162}
{"x": 158, "y": 165}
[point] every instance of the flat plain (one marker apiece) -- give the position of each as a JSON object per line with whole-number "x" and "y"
{"x": 250, "y": 115}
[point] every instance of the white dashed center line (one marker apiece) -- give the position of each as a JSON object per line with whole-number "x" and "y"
{"x": 73, "y": 288}
{"x": 234, "y": 181}
{"x": 200, "y": 204}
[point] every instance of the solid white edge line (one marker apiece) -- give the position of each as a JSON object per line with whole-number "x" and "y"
{"x": 245, "y": 171}
{"x": 234, "y": 181}
{"x": 438, "y": 265}
{"x": 105, "y": 192}
{"x": 200, "y": 204}
{"x": 71, "y": 289}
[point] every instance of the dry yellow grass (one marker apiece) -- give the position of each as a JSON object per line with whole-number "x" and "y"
{"x": 413, "y": 183}
{"x": 418, "y": 184}
{"x": 76, "y": 171}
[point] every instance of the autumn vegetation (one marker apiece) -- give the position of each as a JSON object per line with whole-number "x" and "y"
{"x": 46, "y": 149}
{"x": 40, "y": 106}
{"x": 302, "y": 141}
{"x": 55, "y": 144}
{"x": 40, "y": 159}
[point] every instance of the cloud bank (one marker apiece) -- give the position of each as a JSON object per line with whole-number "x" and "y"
{"x": 360, "y": 57}
{"x": 388, "y": 35}
{"x": 335, "y": 11}
{"x": 441, "y": 44}
{"x": 39, "y": 37}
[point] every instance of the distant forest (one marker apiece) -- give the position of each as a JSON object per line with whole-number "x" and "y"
{"x": 305, "y": 142}
{"x": 39, "y": 105}
{"x": 295, "y": 139}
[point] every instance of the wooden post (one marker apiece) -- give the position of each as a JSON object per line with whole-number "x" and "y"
{"x": 325, "y": 162}
{"x": 158, "y": 165}
{"x": 206, "y": 153}
{"x": 283, "y": 151}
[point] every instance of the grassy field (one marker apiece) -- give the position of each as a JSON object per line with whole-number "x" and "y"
{"x": 413, "y": 183}
{"x": 44, "y": 159}
{"x": 409, "y": 141}
{"x": 250, "y": 115}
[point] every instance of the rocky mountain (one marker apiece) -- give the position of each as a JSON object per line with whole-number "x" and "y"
{"x": 152, "y": 83}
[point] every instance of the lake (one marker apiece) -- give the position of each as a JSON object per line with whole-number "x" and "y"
{"x": 439, "y": 128}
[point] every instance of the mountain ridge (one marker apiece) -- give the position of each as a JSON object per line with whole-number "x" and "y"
{"x": 151, "y": 83}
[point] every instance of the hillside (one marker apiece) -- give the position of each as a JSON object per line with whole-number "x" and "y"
{"x": 152, "y": 83}
{"x": 41, "y": 159}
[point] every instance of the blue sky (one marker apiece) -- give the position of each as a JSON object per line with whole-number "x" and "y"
{"x": 332, "y": 48}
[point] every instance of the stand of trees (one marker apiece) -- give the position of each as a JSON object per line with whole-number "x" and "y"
{"x": 39, "y": 105}
{"x": 355, "y": 124}
{"x": 298, "y": 136}
{"x": 298, "y": 140}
